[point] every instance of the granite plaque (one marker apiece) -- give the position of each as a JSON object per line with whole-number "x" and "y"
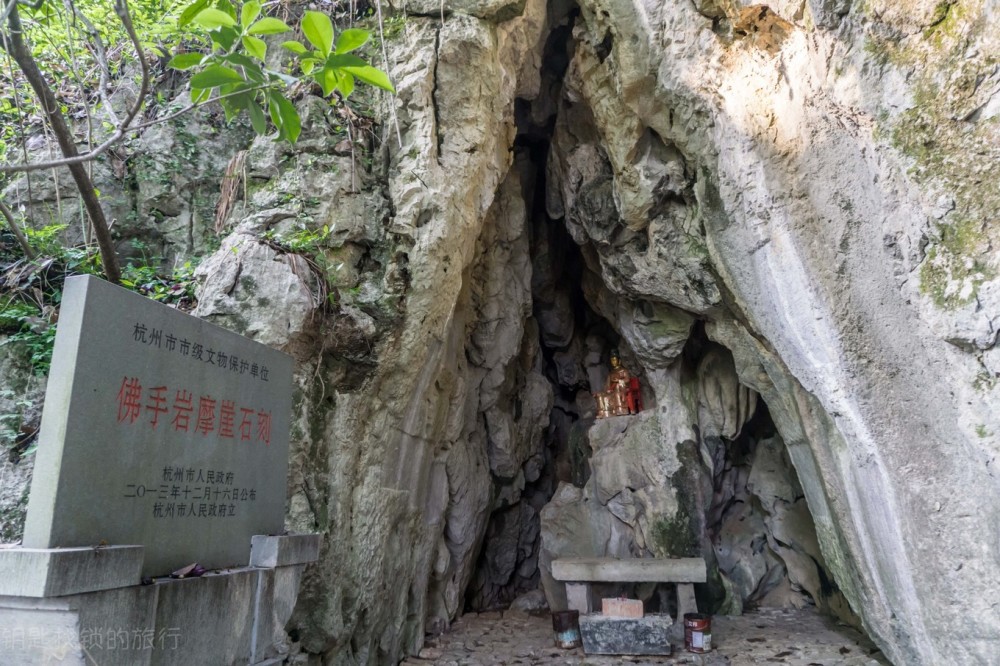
{"x": 159, "y": 429}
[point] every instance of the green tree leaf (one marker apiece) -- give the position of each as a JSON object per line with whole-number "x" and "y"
{"x": 257, "y": 117}
{"x": 289, "y": 124}
{"x": 228, "y": 8}
{"x": 249, "y": 12}
{"x": 186, "y": 60}
{"x": 351, "y": 39}
{"x": 328, "y": 79}
{"x": 255, "y": 47}
{"x": 345, "y": 61}
{"x": 225, "y": 37}
{"x": 199, "y": 95}
{"x": 372, "y": 76}
{"x": 213, "y": 18}
{"x": 272, "y": 109}
{"x": 346, "y": 85}
{"x": 214, "y": 76}
{"x": 268, "y": 26}
{"x": 244, "y": 61}
{"x": 191, "y": 11}
{"x": 295, "y": 47}
{"x": 319, "y": 31}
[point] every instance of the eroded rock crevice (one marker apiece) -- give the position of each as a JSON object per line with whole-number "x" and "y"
{"x": 704, "y": 470}
{"x": 744, "y": 206}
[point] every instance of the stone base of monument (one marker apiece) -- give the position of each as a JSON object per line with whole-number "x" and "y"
{"x": 85, "y": 606}
{"x": 619, "y": 635}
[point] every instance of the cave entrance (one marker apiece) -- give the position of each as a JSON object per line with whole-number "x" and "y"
{"x": 702, "y": 471}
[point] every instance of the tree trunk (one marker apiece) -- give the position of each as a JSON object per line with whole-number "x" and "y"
{"x": 22, "y": 240}
{"x": 14, "y": 44}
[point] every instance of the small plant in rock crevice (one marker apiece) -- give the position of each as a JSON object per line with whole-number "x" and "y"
{"x": 17, "y": 437}
{"x": 310, "y": 244}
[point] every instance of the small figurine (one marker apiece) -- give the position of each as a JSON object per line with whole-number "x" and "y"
{"x": 622, "y": 395}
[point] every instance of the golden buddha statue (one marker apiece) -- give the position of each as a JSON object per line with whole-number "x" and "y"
{"x": 621, "y": 395}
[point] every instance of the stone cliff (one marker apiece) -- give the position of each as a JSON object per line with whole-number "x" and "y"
{"x": 783, "y": 215}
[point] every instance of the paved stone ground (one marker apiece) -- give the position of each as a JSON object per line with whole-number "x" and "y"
{"x": 769, "y": 636}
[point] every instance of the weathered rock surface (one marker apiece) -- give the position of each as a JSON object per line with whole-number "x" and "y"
{"x": 791, "y": 182}
{"x": 21, "y": 396}
{"x": 758, "y": 169}
{"x": 159, "y": 190}
{"x": 847, "y": 257}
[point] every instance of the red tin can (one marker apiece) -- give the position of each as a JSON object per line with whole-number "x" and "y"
{"x": 697, "y": 632}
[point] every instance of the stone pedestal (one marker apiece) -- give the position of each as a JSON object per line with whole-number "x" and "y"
{"x": 57, "y": 572}
{"x": 80, "y": 606}
{"x": 616, "y": 635}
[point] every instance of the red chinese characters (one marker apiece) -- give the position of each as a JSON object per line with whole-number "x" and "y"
{"x": 206, "y": 415}
{"x": 182, "y": 410}
{"x": 156, "y": 403}
{"x": 218, "y": 417}
{"x": 129, "y": 400}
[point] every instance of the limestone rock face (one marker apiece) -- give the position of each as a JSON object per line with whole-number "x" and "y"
{"x": 159, "y": 191}
{"x": 857, "y": 280}
{"x": 247, "y": 277}
{"x": 422, "y": 407}
{"x": 791, "y": 180}
{"x": 790, "y": 205}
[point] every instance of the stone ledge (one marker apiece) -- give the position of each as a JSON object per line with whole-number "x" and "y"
{"x": 638, "y": 570}
{"x": 282, "y": 551}
{"x": 56, "y": 572}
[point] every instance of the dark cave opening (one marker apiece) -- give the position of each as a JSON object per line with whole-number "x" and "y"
{"x": 732, "y": 495}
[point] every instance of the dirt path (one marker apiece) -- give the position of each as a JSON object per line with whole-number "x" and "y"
{"x": 769, "y": 636}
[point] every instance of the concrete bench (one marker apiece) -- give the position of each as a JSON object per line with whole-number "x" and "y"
{"x": 579, "y": 572}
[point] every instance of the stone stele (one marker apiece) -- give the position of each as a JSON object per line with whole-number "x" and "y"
{"x": 159, "y": 430}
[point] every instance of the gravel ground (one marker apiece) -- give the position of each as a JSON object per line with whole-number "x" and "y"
{"x": 768, "y": 636}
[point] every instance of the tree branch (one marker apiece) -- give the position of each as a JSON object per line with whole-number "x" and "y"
{"x": 14, "y": 44}
{"x": 118, "y": 136}
{"x": 22, "y": 240}
{"x": 121, "y": 9}
{"x": 99, "y": 54}
{"x": 6, "y": 11}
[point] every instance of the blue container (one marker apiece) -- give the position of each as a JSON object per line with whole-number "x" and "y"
{"x": 566, "y": 625}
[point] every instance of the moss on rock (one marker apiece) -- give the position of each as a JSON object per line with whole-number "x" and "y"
{"x": 953, "y": 150}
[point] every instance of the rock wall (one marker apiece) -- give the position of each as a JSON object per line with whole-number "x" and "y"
{"x": 823, "y": 228}
{"x": 421, "y": 406}
{"x": 792, "y": 177}
{"x": 159, "y": 189}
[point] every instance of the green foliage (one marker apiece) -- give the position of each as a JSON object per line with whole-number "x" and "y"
{"x": 33, "y": 289}
{"x": 62, "y": 49}
{"x": 177, "y": 288}
{"x": 236, "y": 68}
{"x": 30, "y": 334}
{"x": 300, "y": 241}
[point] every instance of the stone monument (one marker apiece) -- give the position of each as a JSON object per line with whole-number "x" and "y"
{"x": 159, "y": 430}
{"x": 164, "y": 442}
